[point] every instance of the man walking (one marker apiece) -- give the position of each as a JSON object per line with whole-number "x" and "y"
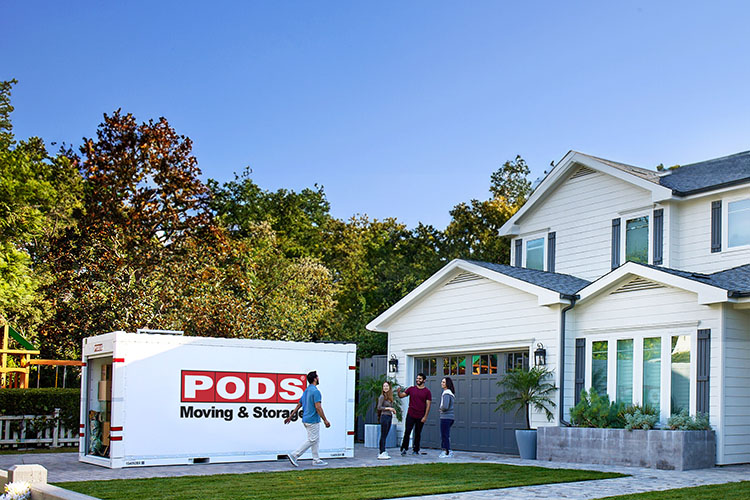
{"x": 420, "y": 399}
{"x": 312, "y": 414}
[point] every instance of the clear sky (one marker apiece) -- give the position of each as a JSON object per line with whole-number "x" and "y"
{"x": 398, "y": 108}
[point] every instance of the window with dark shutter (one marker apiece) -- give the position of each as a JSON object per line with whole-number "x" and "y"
{"x": 715, "y": 226}
{"x": 658, "y": 237}
{"x": 519, "y": 251}
{"x": 615, "y": 243}
{"x": 551, "y": 252}
{"x": 703, "y": 366}
{"x": 580, "y": 368}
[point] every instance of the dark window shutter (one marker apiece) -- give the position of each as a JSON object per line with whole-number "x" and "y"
{"x": 703, "y": 365}
{"x": 519, "y": 251}
{"x": 715, "y": 226}
{"x": 658, "y": 237}
{"x": 615, "y": 243}
{"x": 551, "y": 252}
{"x": 580, "y": 368}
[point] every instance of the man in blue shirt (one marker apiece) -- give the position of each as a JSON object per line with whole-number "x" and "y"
{"x": 312, "y": 414}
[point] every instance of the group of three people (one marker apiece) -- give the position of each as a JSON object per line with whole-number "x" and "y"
{"x": 420, "y": 400}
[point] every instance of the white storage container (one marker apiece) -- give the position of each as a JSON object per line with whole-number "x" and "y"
{"x": 167, "y": 399}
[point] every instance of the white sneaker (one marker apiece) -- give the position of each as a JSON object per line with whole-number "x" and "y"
{"x": 384, "y": 456}
{"x": 292, "y": 459}
{"x": 451, "y": 454}
{"x": 443, "y": 455}
{"x": 319, "y": 462}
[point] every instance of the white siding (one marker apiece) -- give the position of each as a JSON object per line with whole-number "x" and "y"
{"x": 692, "y": 241}
{"x": 474, "y": 316}
{"x": 580, "y": 211}
{"x": 736, "y": 436}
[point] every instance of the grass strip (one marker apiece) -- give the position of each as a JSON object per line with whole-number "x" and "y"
{"x": 359, "y": 483}
{"x": 728, "y": 491}
{"x": 16, "y": 451}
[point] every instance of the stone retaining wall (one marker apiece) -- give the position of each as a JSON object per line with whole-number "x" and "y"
{"x": 669, "y": 450}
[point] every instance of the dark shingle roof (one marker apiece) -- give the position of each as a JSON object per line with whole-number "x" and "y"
{"x": 562, "y": 283}
{"x": 735, "y": 280}
{"x": 710, "y": 174}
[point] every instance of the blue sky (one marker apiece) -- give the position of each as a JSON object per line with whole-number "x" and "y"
{"x": 398, "y": 108}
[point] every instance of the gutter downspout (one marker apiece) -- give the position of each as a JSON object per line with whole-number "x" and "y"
{"x": 572, "y": 299}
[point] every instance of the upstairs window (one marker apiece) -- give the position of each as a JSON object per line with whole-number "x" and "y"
{"x": 738, "y": 223}
{"x": 636, "y": 240}
{"x": 535, "y": 254}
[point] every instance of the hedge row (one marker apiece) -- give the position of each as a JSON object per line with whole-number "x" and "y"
{"x": 43, "y": 402}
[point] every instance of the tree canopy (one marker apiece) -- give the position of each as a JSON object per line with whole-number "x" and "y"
{"x": 121, "y": 233}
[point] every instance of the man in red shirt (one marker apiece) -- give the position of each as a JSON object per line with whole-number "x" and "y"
{"x": 420, "y": 400}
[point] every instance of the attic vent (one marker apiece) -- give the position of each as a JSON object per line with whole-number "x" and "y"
{"x": 463, "y": 278}
{"x": 582, "y": 171}
{"x": 638, "y": 284}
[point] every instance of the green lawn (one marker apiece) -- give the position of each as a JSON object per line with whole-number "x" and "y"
{"x": 38, "y": 450}
{"x": 728, "y": 491}
{"x": 343, "y": 484}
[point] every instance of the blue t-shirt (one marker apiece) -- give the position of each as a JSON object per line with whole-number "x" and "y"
{"x": 308, "y": 400}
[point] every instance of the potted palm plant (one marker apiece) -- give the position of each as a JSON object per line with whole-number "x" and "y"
{"x": 522, "y": 390}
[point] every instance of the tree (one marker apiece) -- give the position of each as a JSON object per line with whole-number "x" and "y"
{"x": 38, "y": 195}
{"x": 473, "y": 232}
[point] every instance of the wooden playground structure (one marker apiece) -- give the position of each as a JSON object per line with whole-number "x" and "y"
{"x": 16, "y": 375}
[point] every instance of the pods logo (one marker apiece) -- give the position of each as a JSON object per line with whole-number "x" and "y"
{"x": 241, "y": 387}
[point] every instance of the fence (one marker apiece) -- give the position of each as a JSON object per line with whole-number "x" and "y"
{"x": 35, "y": 430}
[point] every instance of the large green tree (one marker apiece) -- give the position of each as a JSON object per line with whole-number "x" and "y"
{"x": 38, "y": 194}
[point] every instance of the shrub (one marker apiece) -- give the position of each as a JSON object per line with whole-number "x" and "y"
{"x": 640, "y": 420}
{"x": 684, "y": 422}
{"x": 43, "y": 402}
{"x": 592, "y": 410}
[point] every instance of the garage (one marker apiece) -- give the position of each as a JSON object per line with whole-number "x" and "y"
{"x": 478, "y": 427}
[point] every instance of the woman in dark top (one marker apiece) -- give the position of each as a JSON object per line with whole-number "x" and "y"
{"x": 385, "y": 415}
{"x": 447, "y": 416}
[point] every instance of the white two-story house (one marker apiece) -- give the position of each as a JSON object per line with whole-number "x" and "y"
{"x": 632, "y": 281}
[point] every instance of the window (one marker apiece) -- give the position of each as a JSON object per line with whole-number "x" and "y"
{"x": 535, "y": 254}
{"x": 517, "y": 360}
{"x": 454, "y": 365}
{"x": 680, "y": 367}
{"x": 738, "y": 223}
{"x": 483, "y": 364}
{"x": 652, "y": 372}
{"x": 636, "y": 240}
{"x": 599, "y": 366}
{"x": 428, "y": 366}
{"x": 625, "y": 371}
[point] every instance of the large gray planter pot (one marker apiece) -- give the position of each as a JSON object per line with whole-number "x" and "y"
{"x": 526, "y": 441}
{"x": 669, "y": 450}
{"x": 372, "y": 436}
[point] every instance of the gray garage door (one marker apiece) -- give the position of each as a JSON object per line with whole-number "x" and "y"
{"x": 478, "y": 427}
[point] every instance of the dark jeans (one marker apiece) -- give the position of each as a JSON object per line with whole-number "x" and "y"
{"x": 385, "y": 427}
{"x": 416, "y": 424}
{"x": 445, "y": 433}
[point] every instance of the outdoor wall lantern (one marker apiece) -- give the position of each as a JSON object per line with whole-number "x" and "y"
{"x": 393, "y": 364}
{"x": 540, "y": 355}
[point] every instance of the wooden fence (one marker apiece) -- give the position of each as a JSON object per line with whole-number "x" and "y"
{"x": 35, "y": 431}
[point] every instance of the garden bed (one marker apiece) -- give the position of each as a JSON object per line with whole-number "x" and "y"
{"x": 667, "y": 449}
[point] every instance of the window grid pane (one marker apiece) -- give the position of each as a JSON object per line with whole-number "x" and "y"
{"x": 535, "y": 254}
{"x": 636, "y": 240}
{"x": 738, "y": 223}
{"x": 493, "y": 363}
{"x": 599, "y": 355}
{"x": 625, "y": 371}
{"x": 652, "y": 372}
{"x": 680, "y": 368}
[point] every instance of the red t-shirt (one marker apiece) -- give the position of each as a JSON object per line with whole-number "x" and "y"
{"x": 418, "y": 401}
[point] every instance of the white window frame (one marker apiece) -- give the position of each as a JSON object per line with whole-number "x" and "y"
{"x": 725, "y": 223}
{"x": 544, "y": 236}
{"x": 665, "y": 393}
{"x": 624, "y": 218}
